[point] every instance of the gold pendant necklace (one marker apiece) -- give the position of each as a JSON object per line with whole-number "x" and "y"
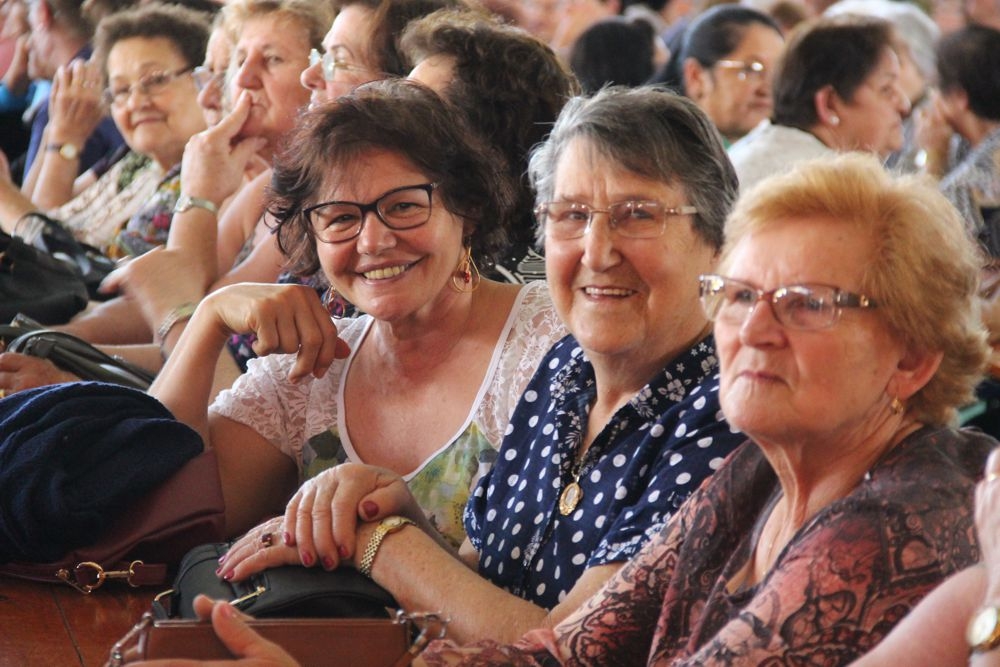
{"x": 570, "y": 496}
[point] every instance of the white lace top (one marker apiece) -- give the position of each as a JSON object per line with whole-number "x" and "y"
{"x": 302, "y": 420}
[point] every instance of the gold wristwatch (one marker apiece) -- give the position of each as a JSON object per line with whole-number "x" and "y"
{"x": 66, "y": 151}
{"x": 983, "y": 632}
{"x": 388, "y": 525}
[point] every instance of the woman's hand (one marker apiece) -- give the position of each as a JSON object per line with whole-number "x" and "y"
{"x": 21, "y": 371}
{"x": 284, "y": 319}
{"x": 158, "y": 281}
{"x": 75, "y": 107}
{"x": 320, "y": 525}
{"x": 231, "y": 627}
{"x": 216, "y": 159}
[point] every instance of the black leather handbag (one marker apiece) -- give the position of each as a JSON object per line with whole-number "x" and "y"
{"x": 78, "y": 357}
{"x": 290, "y": 591}
{"x": 37, "y": 284}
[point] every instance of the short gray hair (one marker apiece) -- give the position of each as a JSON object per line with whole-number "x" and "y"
{"x": 652, "y": 132}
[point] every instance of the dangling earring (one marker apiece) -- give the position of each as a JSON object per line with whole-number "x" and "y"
{"x": 467, "y": 273}
{"x": 896, "y": 406}
{"x": 334, "y": 303}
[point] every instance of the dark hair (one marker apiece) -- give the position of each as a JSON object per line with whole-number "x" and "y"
{"x": 654, "y": 133}
{"x": 70, "y": 15}
{"x": 510, "y": 85}
{"x": 840, "y": 51}
{"x": 969, "y": 60}
{"x": 185, "y": 28}
{"x": 613, "y": 51}
{"x": 407, "y": 119}
{"x": 718, "y": 32}
{"x": 389, "y": 20}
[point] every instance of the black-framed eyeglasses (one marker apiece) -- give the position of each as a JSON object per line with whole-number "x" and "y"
{"x": 205, "y": 77}
{"x": 806, "y": 306}
{"x": 745, "y": 69}
{"x": 149, "y": 85}
{"x": 400, "y": 208}
{"x": 331, "y": 64}
{"x": 633, "y": 219}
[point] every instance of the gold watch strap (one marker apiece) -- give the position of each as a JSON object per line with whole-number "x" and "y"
{"x": 385, "y": 527}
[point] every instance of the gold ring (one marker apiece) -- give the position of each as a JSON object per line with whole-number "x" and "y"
{"x": 3, "y": 393}
{"x": 267, "y": 539}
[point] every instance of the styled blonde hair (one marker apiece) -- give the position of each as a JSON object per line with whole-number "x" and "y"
{"x": 926, "y": 277}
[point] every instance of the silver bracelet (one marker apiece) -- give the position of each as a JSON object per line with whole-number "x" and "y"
{"x": 179, "y": 314}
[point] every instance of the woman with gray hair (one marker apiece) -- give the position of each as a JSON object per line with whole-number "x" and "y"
{"x": 620, "y": 422}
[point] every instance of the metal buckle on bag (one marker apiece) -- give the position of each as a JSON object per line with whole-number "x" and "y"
{"x": 117, "y": 656}
{"x": 431, "y": 626}
{"x": 88, "y": 576}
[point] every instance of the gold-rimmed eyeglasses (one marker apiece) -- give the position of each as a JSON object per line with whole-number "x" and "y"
{"x": 806, "y": 306}
{"x": 331, "y": 64}
{"x": 636, "y": 219}
{"x": 745, "y": 69}
{"x": 149, "y": 85}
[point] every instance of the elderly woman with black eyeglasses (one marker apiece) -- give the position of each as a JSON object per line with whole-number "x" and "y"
{"x": 848, "y": 333}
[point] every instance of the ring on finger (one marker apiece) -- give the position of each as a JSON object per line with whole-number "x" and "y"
{"x": 267, "y": 540}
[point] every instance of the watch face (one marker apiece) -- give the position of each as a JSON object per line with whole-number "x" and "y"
{"x": 983, "y": 625}
{"x": 394, "y": 522}
{"x": 69, "y": 151}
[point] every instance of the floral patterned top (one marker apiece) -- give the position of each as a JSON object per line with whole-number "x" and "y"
{"x": 653, "y": 453}
{"x": 837, "y": 588}
{"x": 303, "y": 420}
{"x": 149, "y": 226}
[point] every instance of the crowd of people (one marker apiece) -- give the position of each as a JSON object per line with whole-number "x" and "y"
{"x": 617, "y": 332}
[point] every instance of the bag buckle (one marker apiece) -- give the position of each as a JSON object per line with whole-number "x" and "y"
{"x": 431, "y": 625}
{"x": 119, "y": 651}
{"x": 260, "y": 590}
{"x": 88, "y": 576}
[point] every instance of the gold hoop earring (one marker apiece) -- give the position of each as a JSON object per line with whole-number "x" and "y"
{"x": 896, "y": 406}
{"x": 467, "y": 277}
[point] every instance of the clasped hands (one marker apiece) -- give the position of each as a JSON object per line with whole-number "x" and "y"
{"x": 321, "y": 524}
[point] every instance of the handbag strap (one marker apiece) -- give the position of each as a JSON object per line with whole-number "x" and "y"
{"x": 431, "y": 626}
{"x": 88, "y": 576}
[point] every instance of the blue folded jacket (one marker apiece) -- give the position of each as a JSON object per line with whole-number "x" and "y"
{"x": 72, "y": 459}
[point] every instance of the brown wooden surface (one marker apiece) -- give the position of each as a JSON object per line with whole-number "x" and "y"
{"x": 54, "y": 625}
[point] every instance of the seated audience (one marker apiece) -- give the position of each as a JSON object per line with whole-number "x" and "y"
{"x": 439, "y": 360}
{"x": 848, "y": 333}
{"x": 147, "y": 56}
{"x": 727, "y": 63}
{"x": 837, "y": 88}
{"x": 969, "y": 105}
{"x": 512, "y": 87}
{"x": 59, "y": 48}
{"x": 853, "y": 498}
{"x": 619, "y": 423}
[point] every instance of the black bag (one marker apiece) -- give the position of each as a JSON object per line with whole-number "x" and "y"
{"x": 290, "y": 591}
{"x": 80, "y": 358}
{"x": 37, "y": 284}
{"x": 89, "y": 263}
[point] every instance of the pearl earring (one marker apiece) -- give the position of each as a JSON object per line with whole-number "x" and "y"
{"x": 834, "y": 120}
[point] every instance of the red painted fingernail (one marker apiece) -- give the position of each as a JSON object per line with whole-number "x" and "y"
{"x": 218, "y": 572}
{"x": 307, "y": 559}
{"x": 228, "y": 576}
{"x": 286, "y": 537}
{"x": 369, "y": 508}
{"x": 328, "y": 563}
{"x": 342, "y": 550}
{"x": 222, "y": 558}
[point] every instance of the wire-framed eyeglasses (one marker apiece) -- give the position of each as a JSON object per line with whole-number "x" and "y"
{"x": 806, "y": 306}
{"x": 634, "y": 219}
{"x": 745, "y": 69}
{"x": 205, "y": 77}
{"x": 400, "y": 208}
{"x": 149, "y": 85}
{"x": 331, "y": 64}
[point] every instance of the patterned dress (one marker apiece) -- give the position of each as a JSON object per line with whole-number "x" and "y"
{"x": 837, "y": 588}
{"x": 653, "y": 453}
